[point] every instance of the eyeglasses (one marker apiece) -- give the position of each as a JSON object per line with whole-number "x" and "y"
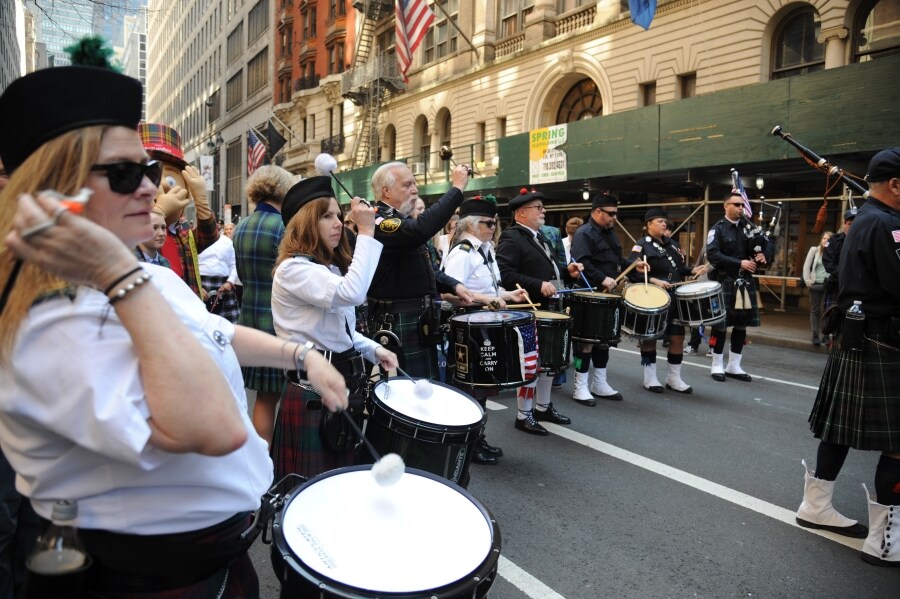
{"x": 540, "y": 207}
{"x": 734, "y": 203}
{"x": 490, "y": 224}
{"x": 126, "y": 177}
{"x": 613, "y": 214}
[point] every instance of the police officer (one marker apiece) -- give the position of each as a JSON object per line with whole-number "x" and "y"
{"x": 667, "y": 266}
{"x": 401, "y": 305}
{"x": 858, "y": 404}
{"x": 597, "y": 247}
{"x": 525, "y": 258}
{"x": 735, "y": 249}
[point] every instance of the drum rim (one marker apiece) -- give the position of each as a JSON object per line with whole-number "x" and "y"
{"x": 683, "y": 291}
{"x": 525, "y": 318}
{"x": 557, "y": 316}
{"x": 596, "y": 295}
{"x": 486, "y": 568}
{"x": 452, "y": 429}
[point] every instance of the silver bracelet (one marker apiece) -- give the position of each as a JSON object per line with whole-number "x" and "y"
{"x": 124, "y": 291}
{"x": 300, "y": 354}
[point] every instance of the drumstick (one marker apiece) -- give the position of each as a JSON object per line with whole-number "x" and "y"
{"x": 626, "y": 271}
{"x": 533, "y": 305}
{"x": 581, "y": 272}
{"x": 646, "y": 275}
{"x": 387, "y": 470}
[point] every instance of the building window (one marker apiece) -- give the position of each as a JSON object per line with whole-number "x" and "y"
{"x": 797, "y": 51}
{"x": 309, "y": 132}
{"x": 234, "y": 171}
{"x": 567, "y": 5}
{"x": 512, "y": 16}
{"x": 234, "y": 91}
{"x": 257, "y": 20}
{"x": 309, "y": 23}
{"x": 441, "y": 39}
{"x": 215, "y": 106}
{"x": 582, "y": 101}
{"x": 258, "y": 72}
{"x": 336, "y": 58}
{"x": 287, "y": 42}
{"x": 480, "y": 132}
{"x": 877, "y": 30}
{"x": 648, "y": 94}
{"x": 235, "y": 43}
{"x": 422, "y": 139}
{"x": 501, "y": 127}
{"x": 390, "y": 145}
{"x": 687, "y": 85}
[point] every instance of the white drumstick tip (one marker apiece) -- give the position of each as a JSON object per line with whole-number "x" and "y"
{"x": 423, "y": 389}
{"x": 388, "y": 470}
{"x": 325, "y": 164}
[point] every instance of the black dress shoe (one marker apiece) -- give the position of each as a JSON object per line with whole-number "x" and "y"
{"x": 655, "y": 388}
{"x": 687, "y": 391}
{"x": 530, "y": 425}
{"x": 718, "y": 376}
{"x": 614, "y": 397}
{"x": 739, "y": 376}
{"x": 551, "y": 415}
{"x": 586, "y": 402}
{"x": 489, "y": 449}
{"x": 479, "y": 456}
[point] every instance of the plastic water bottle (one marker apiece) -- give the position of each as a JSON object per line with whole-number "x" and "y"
{"x": 57, "y": 567}
{"x": 854, "y": 328}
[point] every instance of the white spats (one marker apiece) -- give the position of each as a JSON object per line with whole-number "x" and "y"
{"x": 388, "y": 470}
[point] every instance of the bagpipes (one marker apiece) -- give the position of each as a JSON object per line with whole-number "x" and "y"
{"x": 760, "y": 235}
{"x": 820, "y": 164}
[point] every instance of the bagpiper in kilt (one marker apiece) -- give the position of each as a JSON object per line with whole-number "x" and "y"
{"x": 220, "y": 301}
{"x": 858, "y": 403}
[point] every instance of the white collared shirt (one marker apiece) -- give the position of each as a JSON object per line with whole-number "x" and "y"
{"x": 218, "y": 260}
{"x": 313, "y": 302}
{"x": 468, "y": 267}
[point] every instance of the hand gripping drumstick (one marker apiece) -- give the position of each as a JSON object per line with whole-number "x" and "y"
{"x": 534, "y": 306}
{"x": 387, "y": 470}
{"x": 631, "y": 267}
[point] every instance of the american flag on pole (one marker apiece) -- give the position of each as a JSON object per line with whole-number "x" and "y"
{"x": 256, "y": 153}
{"x": 527, "y": 338}
{"x": 738, "y": 186}
{"x": 412, "y": 22}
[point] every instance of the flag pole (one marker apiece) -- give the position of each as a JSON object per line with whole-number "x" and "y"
{"x": 438, "y": 6}
{"x": 280, "y": 122}
{"x": 262, "y": 138}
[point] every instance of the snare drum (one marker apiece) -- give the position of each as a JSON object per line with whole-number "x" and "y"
{"x": 700, "y": 303}
{"x": 490, "y": 347}
{"x": 437, "y": 434}
{"x": 343, "y": 535}
{"x": 553, "y": 340}
{"x": 596, "y": 317}
{"x": 646, "y": 309}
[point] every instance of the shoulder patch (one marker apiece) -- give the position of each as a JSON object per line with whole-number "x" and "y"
{"x": 389, "y": 225}
{"x": 638, "y": 248}
{"x": 466, "y": 245}
{"x": 710, "y": 236}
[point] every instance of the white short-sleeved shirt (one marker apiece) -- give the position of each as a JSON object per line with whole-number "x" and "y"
{"x": 469, "y": 268}
{"x": 73, "y": 421}
{"x": 313, "y": 302}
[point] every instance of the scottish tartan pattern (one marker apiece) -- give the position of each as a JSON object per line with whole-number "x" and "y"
{"x": 748, "y": 318}
{"x": 858, "y": 403}
{"x": 416, "y": 356}
{"x": 256, "y": 240}
{"x": 226, "y": 301}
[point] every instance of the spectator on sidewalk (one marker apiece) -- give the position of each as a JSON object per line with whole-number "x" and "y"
{"x": 814, "y": 275}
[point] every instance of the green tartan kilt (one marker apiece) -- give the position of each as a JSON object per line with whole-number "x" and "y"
{"x": 746, "y": 318}
{"x": 858, "y": 403}
{"x": 297, "y": 446}
{"x": 417, "y": 355}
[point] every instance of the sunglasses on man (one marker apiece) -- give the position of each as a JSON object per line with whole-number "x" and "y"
{"x": 126, "y": 177}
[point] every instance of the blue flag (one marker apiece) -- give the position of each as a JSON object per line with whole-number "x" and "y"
{"x": 642, "y": 12}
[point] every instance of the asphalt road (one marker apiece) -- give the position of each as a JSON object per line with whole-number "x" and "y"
{"x": 670, "y": 495}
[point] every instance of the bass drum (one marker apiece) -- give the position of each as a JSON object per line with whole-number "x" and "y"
{"x": 343, "y": 535}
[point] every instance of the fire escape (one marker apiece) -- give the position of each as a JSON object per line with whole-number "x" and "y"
{"x": 369, "y": 77}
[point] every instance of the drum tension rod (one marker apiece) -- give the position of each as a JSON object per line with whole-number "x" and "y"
{"x": 272, "y": 502}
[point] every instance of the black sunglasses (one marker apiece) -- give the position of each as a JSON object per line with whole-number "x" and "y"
{"x": 126, "y": 177}
{"x": 490, "y": 224}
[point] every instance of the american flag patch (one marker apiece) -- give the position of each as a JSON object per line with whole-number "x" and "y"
{"x": 637, "y": 249}
{"x": 896, "y": 235}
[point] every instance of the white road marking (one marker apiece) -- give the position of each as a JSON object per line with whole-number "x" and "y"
{"x": 701, "y": 484}
{"x": 524, "y": 581}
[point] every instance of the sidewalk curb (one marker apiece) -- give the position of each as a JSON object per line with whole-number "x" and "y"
{"x": 785, "y": 342}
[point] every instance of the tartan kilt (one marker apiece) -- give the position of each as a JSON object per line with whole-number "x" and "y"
{"x": 297, "y": 445}
{"x": 417, "y": 356}
{"x": 748, "y": 318}
{"x": 858, "y": 403}
{"x": 227, "y": 306}
{"x": 263, "y": 380}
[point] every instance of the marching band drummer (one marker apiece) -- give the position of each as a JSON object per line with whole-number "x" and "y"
{"x": 471, "y": 261}
{"x": 316, "y": 288}
{"x": 524, "y": 258}
{"x": 667, "y": 266}
{"x": 144, "y": 420}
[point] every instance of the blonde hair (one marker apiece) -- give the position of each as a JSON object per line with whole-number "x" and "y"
{"x": 61, "y": 164}
{"x": 269, "y": 183}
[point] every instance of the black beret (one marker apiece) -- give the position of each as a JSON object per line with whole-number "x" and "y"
{"x": 850, "y": 214}
{"x": 602, "y": 199}
{"x": 302, "y": 193}
{"x": 45, "y": 104}
{"x": 523, "y": 198}
{"x": 655, "y": 213}
{"x": 884, "y": 166}
{"x": 477, "y": 207}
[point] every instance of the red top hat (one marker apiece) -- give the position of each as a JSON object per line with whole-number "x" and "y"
{"x": 163, "y": 141}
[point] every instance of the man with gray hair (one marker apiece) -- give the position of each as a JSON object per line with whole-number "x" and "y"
{"x": 403, "y": 292}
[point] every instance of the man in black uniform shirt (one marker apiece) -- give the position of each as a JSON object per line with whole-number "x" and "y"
{"x": 735, "y": 249}
{"x": 405, "y": 286}
{"x": 596, "y": 246}
{"x": 525, "y": 258}
{"x": 858, "y": 404}
{"x": 831, "y": 259}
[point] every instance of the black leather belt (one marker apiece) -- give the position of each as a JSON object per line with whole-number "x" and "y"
{"x": 349, "y": 363}
{"x": 398, "y": 306}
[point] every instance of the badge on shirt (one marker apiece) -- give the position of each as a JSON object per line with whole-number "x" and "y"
{"x": 390, "y": 225}
{"x": 710, "y": 236}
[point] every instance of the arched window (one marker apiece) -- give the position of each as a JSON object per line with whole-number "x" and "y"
{"x": 797, "y": 51}
{"x": 389, "y": 144}
{"x": 581, "y": 102}
{"x": 421, "y": 140}
{"x": 876, "y": 32}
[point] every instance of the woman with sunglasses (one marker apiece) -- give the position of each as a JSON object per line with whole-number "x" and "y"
{"x": 118, "y": 390}
{"x": 315, "y": 290}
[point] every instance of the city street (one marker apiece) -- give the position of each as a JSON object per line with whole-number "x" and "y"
{"x": 670, "y": 495}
